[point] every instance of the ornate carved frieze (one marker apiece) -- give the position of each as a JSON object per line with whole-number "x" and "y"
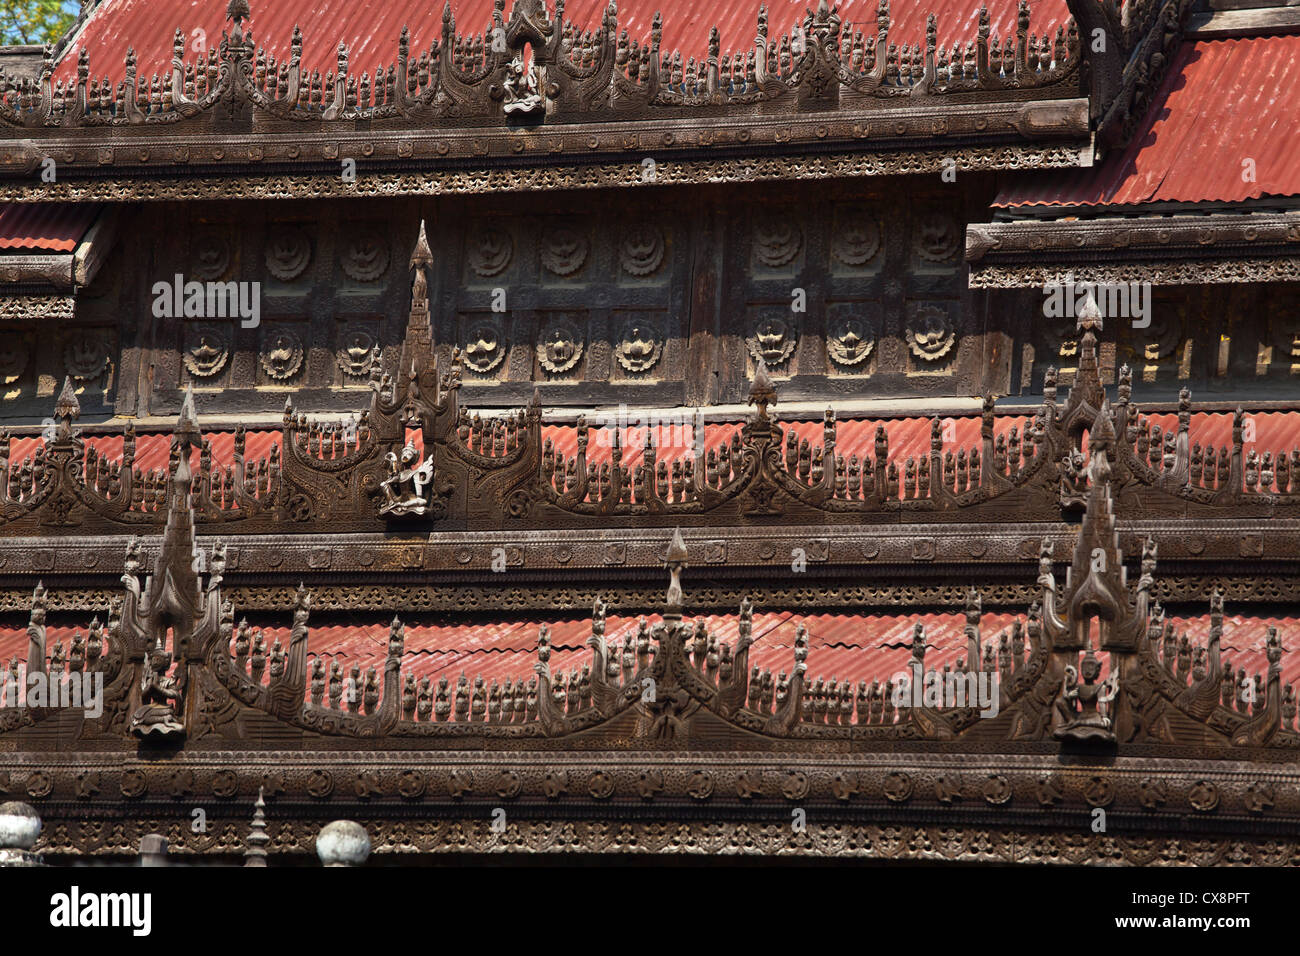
{"x": 639, "y": 346}
{"x": 930, "y": 333}
{"x": 564, "y": 250}
{"x": 358, "y": 352}
{"x": 485, "y": 346}
{"x": 87, "y": 353}
{"x": 488, "y": 250}
{"x": 365, "y": 254}
{"x": 207, "y": 350}
{"x": 502, "y": 473}
{"x": 850, "y": 337}
{"x": 282, "y": 352}
{"x": 772, "y": 338}
{"x": 545, "y": 174}
{"x": 1186, "y": 250}
{"x": 288, "y": 252}
{"x": 641, "y": 249}
{"x": 560, "y": 346}
{"x": 601, "y": 78}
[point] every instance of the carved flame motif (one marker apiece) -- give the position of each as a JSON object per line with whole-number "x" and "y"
{"x": 281, "y": 354}
{"x": 357, "y": 353}
{"x": 86, "y": 355}
{"x": 564, "y": 250}
{"x": 929, "y": 334}
{"x": 489, "y": 251}
{"x": 483, "y": 348}
{"x": 14, "y": 353}
{"x": 848, "y": 341}
{"x": 209, "y": 352}
{"x": 365, "y": 257}
{"x": 642, "y": 249}
{"x": 776, "y": 241}
{"x": 560, "y": 348}
{"x": 856, "y": 242}
{"x": 937, "y": 238}
{"x": 287, "y": 254}
{"x": 772, "y": 342}
{"x": 639, "y": 348}
{"x": 211, "y": 256}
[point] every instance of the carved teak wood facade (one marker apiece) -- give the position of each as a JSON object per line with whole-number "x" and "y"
{"x": 428, "y": 503}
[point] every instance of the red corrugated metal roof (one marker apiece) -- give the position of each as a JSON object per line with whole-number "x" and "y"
{"x": 371, "y": 29}
{"x": 1224, "y": 102}
{"x": 45, "y": 227}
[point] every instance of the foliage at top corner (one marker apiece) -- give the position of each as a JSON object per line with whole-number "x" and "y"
{"x": 35, "y": 21}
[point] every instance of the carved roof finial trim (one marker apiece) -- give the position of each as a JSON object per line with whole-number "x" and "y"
{"x": 258, "y": 838}
{"x": 676, "y": 562}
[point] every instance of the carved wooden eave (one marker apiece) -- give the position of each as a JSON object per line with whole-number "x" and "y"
{"x": 1180, "y": 249}
{"x": 499, "y": 475}
{"x": 1139, "y": 43}
{"x": 23, "y": 274}
{"x": 833, "y": 109}
{"x": 25, "y": 306}
{"x": 705, "y": 750}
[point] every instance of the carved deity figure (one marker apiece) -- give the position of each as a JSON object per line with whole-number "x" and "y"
{"x": 520, "y": 86}
{"x": 159, "y": 699}
{"x": 1077, "y": 706}
{"x": 1074, "y": 480}
{"x": 404, "y": 488}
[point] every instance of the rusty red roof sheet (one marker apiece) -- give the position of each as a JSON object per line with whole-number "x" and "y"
{"x": 45, "y": 227}
{"x": 371, "y": 29}
{"x": 1223, "y": 103}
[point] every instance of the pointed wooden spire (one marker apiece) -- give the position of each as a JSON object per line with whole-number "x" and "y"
{"x": 255, "y": 849}
{"x": 675, "y": 562}
{"x": 761, "y": 391}
{"x": 66, "y": 409}
{"x": 421, "y": 256}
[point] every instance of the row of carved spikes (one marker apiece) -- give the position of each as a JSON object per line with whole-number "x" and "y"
{"x": 327, "y": 440}
{"x": 1264, "y": 473}
{"x": 21, "y": 482}
{"x": 803, "y": 461}
{"x": 1184, "y": 660}
{"x": 83, "y": 653}
{"x": 492, "y": 437}
{"x": 833, "y": 702}
{"x": 251, "y": 655}
{"x": 473, "y": 55}
{"x": 470, "y": 55}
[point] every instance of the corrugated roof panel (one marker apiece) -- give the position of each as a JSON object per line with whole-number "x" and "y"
{"x": 45, "y": 227}
{"x": 1221, "y": 128}
{"x": 371, "y": 29}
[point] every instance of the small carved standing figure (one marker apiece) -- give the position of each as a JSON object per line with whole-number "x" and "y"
{"x": 159, "y": 698}
{"x": 1078, "y": 704}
